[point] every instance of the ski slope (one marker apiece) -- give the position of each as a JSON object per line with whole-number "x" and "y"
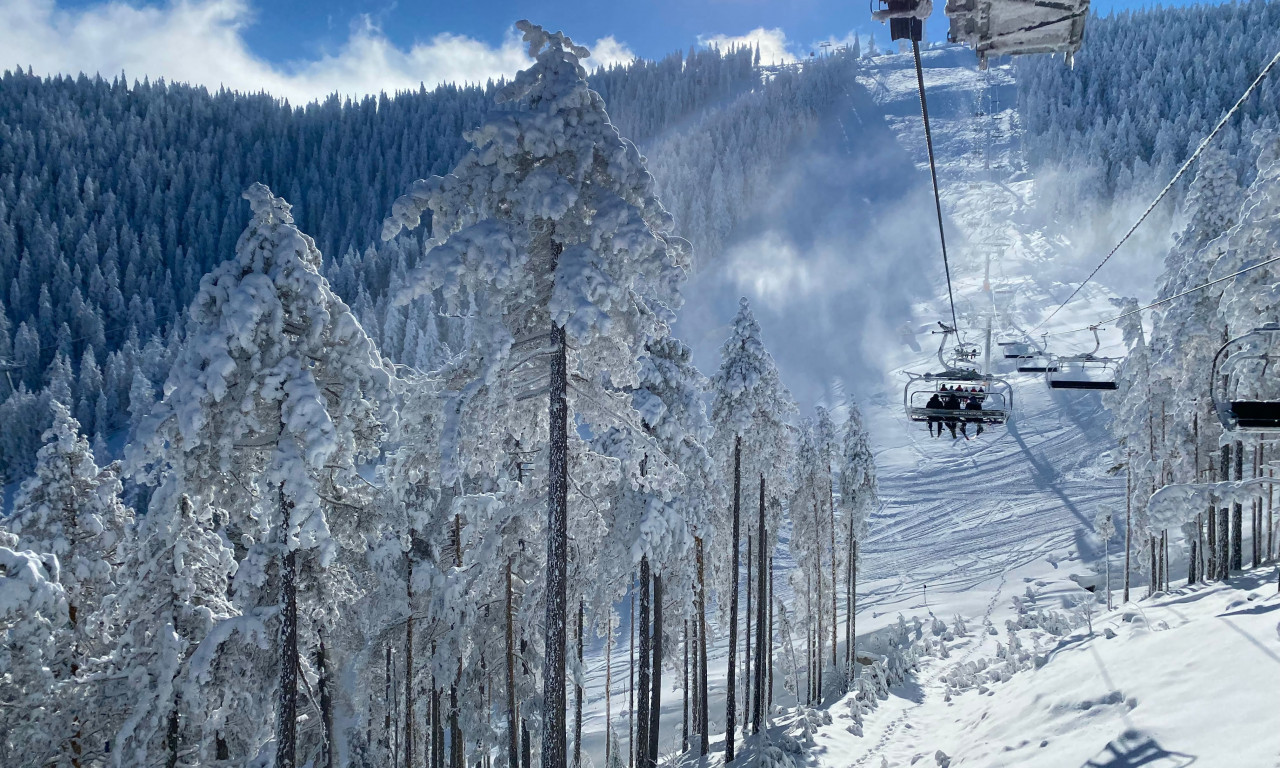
{"x": 968, "y": 525}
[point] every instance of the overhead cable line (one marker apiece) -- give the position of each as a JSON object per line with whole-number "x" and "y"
{"x": 933, "y": 172}
{"x": 1167, "y": 300}
{"x": 1172, "y": 182}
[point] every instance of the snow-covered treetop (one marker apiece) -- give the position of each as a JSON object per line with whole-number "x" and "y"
{"x": 72, "y": 509}
{"x": 1251, "y": 299}
{"x": 859, "y": 490}
{"x": 751, "y": 402}
{"x": 276, "y": 384}
{"x": 550, "y": 218}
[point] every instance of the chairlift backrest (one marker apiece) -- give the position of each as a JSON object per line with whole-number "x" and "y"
{"x": 1244, "y": 397}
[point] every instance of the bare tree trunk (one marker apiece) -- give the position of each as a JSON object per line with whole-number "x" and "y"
{"x": 835, "y": 619}
{"x": 577, "y": 694}
{"x": 387, "y": 696}
{"x": 437, "y": 723}
{"x": 325, "y": 685}
{"x": 684, "y": 690}
{"x": 1128, "y": 521}
{"x": 808, "y": 635}
{"x": 457, "y": 749}
{"x": 818, "y": 634}
{"x": 1195, "y": 552}
{"x": 1237, "y": 516}
{"x": 731, "y": 702}
{"x": 513, "y": 746}
{"x": 633, "y": 753}
{"x": 1224, "y": 522}
{"x": 747, "y": 679}
{"x": 764, "y": 656}
{"x": 408, "y": 669}
{"x": 704, "y": 711}
{"x": 553, "y": 693}
{"x": 768, "y": 688}
{"x": 1271, "y": 520}
{"x": 655, "y": 680}
{"x": 1155, "y": 567}
{"x": 287, "y": 722}
{"x": 646, "y": 669}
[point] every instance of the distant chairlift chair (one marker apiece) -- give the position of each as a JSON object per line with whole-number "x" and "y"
{"x": 1015, "y": 27}
{"x": 1087, "y": 371}
{"x": 1245, "y": 399}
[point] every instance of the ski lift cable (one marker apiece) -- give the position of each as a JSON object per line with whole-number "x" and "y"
{"x": 1172, "y": 182}
{"x": 1187, "y": 292}
{"x": 933, "y": 172}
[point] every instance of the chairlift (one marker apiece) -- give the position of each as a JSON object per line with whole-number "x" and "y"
{"x": 1245, "y": 399}
{"x": 905, "y": 17}
{"x": 1017, "y": 350}
{"x": 1016, "y": 27}
{"x": 989, "y": 400}
{"x": 1087, "y": 371}
{"x": 1037, "y": 361}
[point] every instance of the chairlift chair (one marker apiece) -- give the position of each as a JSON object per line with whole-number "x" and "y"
{"x": 1015, "y": 27}
{"x": 905, "y": 17}
{"x": 1245, "y": 399}
{"x": 1017, "y": 350}
{"x": 961, "y": 378}
{"x": 1087, "y": 371}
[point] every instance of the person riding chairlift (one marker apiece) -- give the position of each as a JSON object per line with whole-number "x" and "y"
{"x": 935, "y": 403}
{"x": 952, "y": 403}
{"x": 973, "y": 404}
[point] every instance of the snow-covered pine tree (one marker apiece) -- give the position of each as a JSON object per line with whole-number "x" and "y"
{"x": 672, "y": 410}
{"x": 70, "y": 508}
{"x": 750, "y": 411}
{"x": 859, "y": 497}
{"x": 33, "y": 616}
{"x": 548, "y": 233}
{"x": 179, "y": 572}
{"x": 276, "y": 398}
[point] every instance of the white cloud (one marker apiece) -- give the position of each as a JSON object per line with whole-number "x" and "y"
{"x": 772, "y": 43}
{"x": 200, "y": 42}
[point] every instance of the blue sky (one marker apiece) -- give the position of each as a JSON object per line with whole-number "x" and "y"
{"x": 650, "y": 29}
{"x": 304, "y": 49}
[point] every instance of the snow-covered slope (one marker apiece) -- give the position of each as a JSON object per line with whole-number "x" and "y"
{"x": 967, "y": 526}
